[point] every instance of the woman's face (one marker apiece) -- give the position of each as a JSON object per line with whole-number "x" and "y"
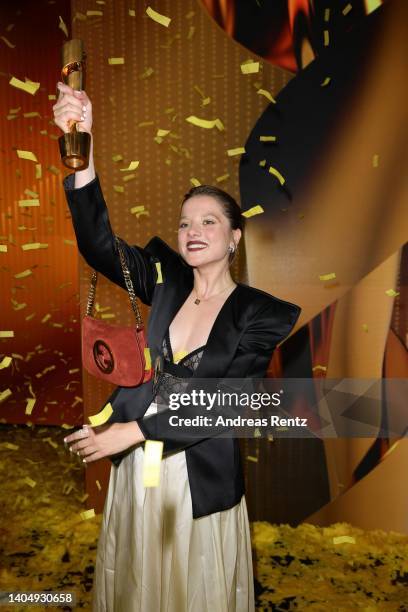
{"x": 205, "y": 232}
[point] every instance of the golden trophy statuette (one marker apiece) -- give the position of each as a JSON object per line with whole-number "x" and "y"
{"x": 74, "y": 146}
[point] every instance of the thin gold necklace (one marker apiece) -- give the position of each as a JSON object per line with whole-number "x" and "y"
{"x": 198, "y": 300}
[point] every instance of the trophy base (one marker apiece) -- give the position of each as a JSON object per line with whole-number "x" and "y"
{"x": 74, "y": 149}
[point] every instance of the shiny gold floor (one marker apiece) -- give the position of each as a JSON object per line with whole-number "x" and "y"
{"x": 45, "y": 544}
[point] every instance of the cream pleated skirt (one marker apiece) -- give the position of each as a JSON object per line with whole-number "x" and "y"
{"x": 154, "y": 557}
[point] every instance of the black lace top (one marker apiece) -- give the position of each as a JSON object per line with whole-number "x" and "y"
{"x": 171, "y": 381}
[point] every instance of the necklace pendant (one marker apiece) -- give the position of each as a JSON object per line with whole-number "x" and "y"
{"x": 197, "y": 301}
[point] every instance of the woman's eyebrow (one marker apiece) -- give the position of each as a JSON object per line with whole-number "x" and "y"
{"x": 203, "y": 215}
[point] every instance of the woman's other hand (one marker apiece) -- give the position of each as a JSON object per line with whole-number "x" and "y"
{"x": 72, "y": 106}
{"x": 105, "y": 440}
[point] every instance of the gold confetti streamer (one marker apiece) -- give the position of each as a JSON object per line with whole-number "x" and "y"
{"x": 87, "y": 514}
{"x": 148, "y": 72}
{"x": 94, "y": 13}
{"x": 132, "y": 166}
{"x": 325, "y": 277}
{"x": 27, "y": 155}
{"x": 319, "y": 368}
{"x": 28, "y": 86}
{"x": 252, "y": 458}
{"x": 30, "y": 405}
{"x": 148, "y": 359}
{"x": 325, "y": 82}
{"x": 132, "y": 13}
{"x": 159, "y": 272}
{"x": 3, "y": 248}
{"x": 7, "y": 42}
{"x": 32, "y": 114}
{"x": 116, "y": 61}
{"x": 392, "y": 293}
{"x": 365, "y": 327}
{"x": 10, "y": 446}
{"x": 38, "y": 171}
{"x": 31, "y": 483}
{"x": 118, "y": 189}
{"x": 137, "y": 209}
{"x": 375, "y": 161}
{"x": 347, "y": 9}
{"x": 264, "y": 92}
{"x": 222, "y": 178}
{"x": 5, "y": 362}
{"x": 30, "y": 246}
{"x": 195, "y": 182}
{"x": 153, "y": 451}
{"x": 62, "y": 26}
{"x": 326, "y": 38}
{"x": 255, "y": 210}
{"x": 98, "y": 484}
{"x": 162, "y": 19}
{"x": 326, "y": 14}
{"x": 102, "y": 416}
{"x": 5, "y": 394}
{"x": 117, "y": 158}
{"x": 250, "y": 67}
{"x": 276, "y": 173}
{"x": 267, "y": 139}
{"x": 33, "y": 202}
{"x": 205, "y": 123}
{"x": 237, "y": 151}
{"x": 262, "y": 163}
{"x": 46, "y": 318}
{"x": 54, "y": 170}
{"x": 32, "y": 194}
{"x": 344, "y": 540}
{"x": 6, "y": 334}
{"x": 128, "y": 177}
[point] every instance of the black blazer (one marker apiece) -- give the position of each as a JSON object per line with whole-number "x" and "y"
{"x": 247, "y": 329}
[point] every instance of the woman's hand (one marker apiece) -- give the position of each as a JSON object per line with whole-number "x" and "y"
{"x": 105, "y": 440}
{"x": 72, "y": 106}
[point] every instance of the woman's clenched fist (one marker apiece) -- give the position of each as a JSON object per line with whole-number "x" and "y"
{"x": 72, "y": 106}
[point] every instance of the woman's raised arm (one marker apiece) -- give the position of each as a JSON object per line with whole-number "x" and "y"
{"x": 90, "y": 217}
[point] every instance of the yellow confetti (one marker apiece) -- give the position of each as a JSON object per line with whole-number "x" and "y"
{"x": 102, "y": 416}
{"x": 27, "y": 155}
{"x": 179, "y": 355}
{"x": 326, "y": 38}
{"x": 7, "y": 334}
{"x": 5, "y": 394}
{"x": 94, "y": 13}
{"x": 325, "y": 82}
{"x": 137, "y": 209}
{"x": 46, "y": 318}
{"x": 66, "y": 426}
{"x": 276, "y": 173}
{"x": 195, "y": 182}
{"x": 132, "y": 13}
{"x": 5, "y": 362}
{"x": 250, "y": 67}
{"x": 28, "y": 86}
{"x": 319, "y": 368}
{"x": 10, "y": 446}
{"x": 23, "y": 274}
{"x": 148, "y": 359}
{"x": 375, "y": 161}
{"x": 132, "y": 166}
{"x": 32, "y": 194}
{"x": 148, "y": 72}
{"x": 255, "y": 210}
{"x": 252, "y": 458}
{"x": 344, "y": 540}
{"x": 267, "y": 139}
{"x": 117, "y": 158}
{"x": 54, "y": 170}
{"x": 162, "y": 19}
{"x": 205, "y": 123}
{"x": 8, "y": 43}
{"x": 62, "y": 26}
{"x": 31, "y": 114}
{"x": 325, "y": 277}
{"x": 70, "y": 242}
{"x": 222, "y": 178}
{"x": 128, "y": 177}
{"x": 3, "y": 248}
{"x": 191, "y": 31}
{"x": 264, "y": 92}
{"x": 262, "y": 163}
{"x": 392, "y": 293}
{"x": 153, "y": 451}
{"x": 326, "y": 14}
{"x": 30, "y": 246}
{"x": 98, "y": 484}
{"x": 116, "y": 61}
{"x": 347, "y": 9}
{"x": 237, "y": 151}
{"x": 159, "y": 272}
{"x": 30, "y": 405}
{"x": 365, "y": 327}
{"x": 38, "y": 171}
{"x": 52, "y": 97}
{"x": 108, "y": 315}
{"x": 33, "y": 202}
{"x": 118, "y": 189}
{"x": 31, "y": 483}
{"x": 87, "y": 514}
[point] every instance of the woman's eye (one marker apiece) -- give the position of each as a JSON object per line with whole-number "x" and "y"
{"x": 182, "y": 225}
{"x": 208, "y": 221}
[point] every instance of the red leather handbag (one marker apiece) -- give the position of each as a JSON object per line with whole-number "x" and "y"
{"x": 111, "y": 352}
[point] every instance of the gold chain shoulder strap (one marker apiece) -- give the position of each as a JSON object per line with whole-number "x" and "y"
{"x": 129, "y": 286}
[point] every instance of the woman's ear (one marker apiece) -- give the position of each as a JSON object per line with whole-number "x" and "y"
{"x": 237, "y": 235}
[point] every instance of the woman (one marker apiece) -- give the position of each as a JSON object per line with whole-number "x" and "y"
{"x": 186, "y": 544}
